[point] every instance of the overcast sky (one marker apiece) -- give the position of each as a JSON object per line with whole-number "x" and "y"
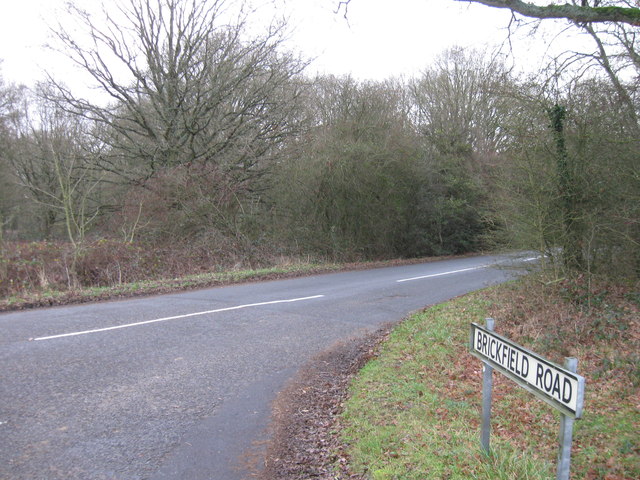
{"x": 381, "y": 38}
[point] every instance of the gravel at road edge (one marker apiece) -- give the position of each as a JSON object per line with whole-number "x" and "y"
{"x": 304, "y": 439}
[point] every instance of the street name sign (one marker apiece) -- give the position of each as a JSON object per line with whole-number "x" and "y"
{"x": 559, "y": 387}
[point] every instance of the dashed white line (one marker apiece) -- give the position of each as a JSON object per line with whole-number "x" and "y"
{"x": 177, "y": 317}
{"x": 443, "y": 273}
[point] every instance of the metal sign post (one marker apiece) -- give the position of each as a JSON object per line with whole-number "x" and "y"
{"x": 487, "y": 388}
{"x": 562, "y": 388}
{"x": 566, "y": 432}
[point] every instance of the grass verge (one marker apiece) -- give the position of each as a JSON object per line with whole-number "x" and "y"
{"x": 149, "y": 287}
{"x": 414, "y": 411}
{"x": 42, "y": 297}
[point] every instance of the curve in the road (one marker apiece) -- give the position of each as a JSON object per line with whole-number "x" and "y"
{"x": 178, "y": 386}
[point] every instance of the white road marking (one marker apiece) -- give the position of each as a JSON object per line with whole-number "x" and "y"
{"x": 530, "y": 259}
{"x": 443, "y": 273}
{"x": 177, "y": 317}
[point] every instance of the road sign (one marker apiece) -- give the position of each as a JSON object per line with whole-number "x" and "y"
{"x": 557, "y": 386}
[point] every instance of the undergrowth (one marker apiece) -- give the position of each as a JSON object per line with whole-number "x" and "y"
{"x": 34, "y": 274}
{"x": 34, "y": 267}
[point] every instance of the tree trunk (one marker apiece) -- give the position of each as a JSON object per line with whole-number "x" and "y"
{"x": 567, "y": 188}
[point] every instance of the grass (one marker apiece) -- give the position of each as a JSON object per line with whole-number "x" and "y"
{"x": 414, "y": 411}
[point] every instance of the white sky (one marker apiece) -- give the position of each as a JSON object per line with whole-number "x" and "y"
{"x": 382, "y": 38}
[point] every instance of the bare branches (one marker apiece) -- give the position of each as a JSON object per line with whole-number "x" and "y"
{"x": 186, "y": 87}
{"x": 613, "y": 27}
{"x": 572, "y": 12}
{"x": 604, "y": 60}
{"x": 51, "y": 160}
{"x": 343, "y": 5}
{"x": 461, "y": 100}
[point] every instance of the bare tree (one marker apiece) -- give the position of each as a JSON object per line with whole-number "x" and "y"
{"x": 613, "y": 26}
{"x": 52, "y": 161}
{"x": 186, "y": 88}
{"x": 461, "y": 100}
{"x": 460, "y": 106}
{"x": 11, "y": 98}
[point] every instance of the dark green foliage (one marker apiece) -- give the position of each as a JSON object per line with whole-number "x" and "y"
{"x": 347, "y": 190}
{"x": 366, "y": 184}
{"x": 567, "y": 192}
{"x": 448, "y": 217}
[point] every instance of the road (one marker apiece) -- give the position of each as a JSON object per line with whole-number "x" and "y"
{"x": 179, "y": 386}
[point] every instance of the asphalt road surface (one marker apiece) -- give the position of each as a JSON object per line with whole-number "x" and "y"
{"x": 179, "y": 386}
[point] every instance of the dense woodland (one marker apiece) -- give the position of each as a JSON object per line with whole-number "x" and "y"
{"x": 210, "y": 148}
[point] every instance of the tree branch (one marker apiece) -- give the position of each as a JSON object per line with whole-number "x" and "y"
{"x": 575, "y": 13}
